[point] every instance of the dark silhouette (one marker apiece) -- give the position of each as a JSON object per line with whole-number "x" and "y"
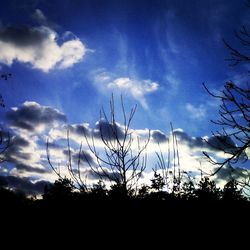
{"x": 233, "y": 136}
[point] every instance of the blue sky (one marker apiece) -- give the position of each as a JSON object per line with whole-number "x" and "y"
{"x": 73, "y": 54}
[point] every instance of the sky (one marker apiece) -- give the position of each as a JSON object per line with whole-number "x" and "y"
{"x": 68, "y": 57}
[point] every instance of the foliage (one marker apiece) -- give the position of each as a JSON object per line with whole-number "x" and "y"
{"x": 60, "y": 190}
{"x": 157, "y": 182}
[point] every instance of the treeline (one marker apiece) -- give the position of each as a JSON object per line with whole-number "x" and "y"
{"x": 62, "y": 194}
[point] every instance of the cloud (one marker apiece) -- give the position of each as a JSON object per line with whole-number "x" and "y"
{"x": 228, "y": 173}
{"x": 196, "y": 112}
{"x": 32, "y": 116}
{"x": 138, "y": 89}
{"x": 32, "y": 122}
{"x": 24, "y": 154}
{"x": 107, "y": 176}
{"x": 39, "y": 47}
{"x": 26, "y": 168}
{"x": 23, "y": 184}
{"x": 84, "y": 156}
{"x": 108, "y": 131}
{"x": 41, "y": 19}
{"x": 158, "y": 136}
{"x": 211, "y": 144}
{"x": 223, "y": 143}
{"x": 77, "y": 132}
{"x": 28, "y": 124}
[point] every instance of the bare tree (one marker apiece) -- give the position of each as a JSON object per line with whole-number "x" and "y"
{"x": 234, "y": 111}
{"x": 4, "y": 136}
{"x": 77, "y": 181}
{"x": 122, "y": 157}
{"x": 168, "y": 167}
{"x": 234, "y": 118}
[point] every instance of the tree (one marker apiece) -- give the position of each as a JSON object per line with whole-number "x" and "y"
{"x": 60, "y": 190}
{"x": 167, "y": 171}
{"x": 231, "y": 192}
{"x": 234, "y": 118}
{"x": 75, "y": 173}
{"x": 234, "y": 111}
{"x": 4, "y": 137}
{"x": 123, "y": 157}
{"x": 207, "y": 190}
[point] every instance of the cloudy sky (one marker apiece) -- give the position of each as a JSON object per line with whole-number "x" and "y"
{"x": 67, "y": 57}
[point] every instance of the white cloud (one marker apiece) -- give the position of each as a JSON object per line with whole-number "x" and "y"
{"x": 138, "y": 89}
{"x": 196, "y": 112}
{"x": 32, "y": 117}
{"x": 28, "y": 152}
{"x": 39, "y": 47}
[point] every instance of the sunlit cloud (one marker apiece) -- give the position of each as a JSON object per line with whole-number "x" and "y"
{"x": 30, "y": 159}
{"x": 137, "y": 89}
{"x": 39, "y": 47}
{"x": 31, "y": 116}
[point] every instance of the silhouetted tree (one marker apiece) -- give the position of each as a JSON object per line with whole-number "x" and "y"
{"x": 234, "y": 118}
{"x": 231, "y": 192}
{"x": 74, "y": 172}
{"x": 99, "y": 191}
{"x": 207, "y": 190}
{"x": 10, "y": 199}
{"x": 188, "y": 190}
{"x": 143, "y": 191}
{"x": 62, "y": 189}
{"x": 157, "y": 183}
{"x": 168, "y": 167}
{"x": 234, "y": 111}
{"x": 4, "y": 137}
{"x": 122, "y": 159}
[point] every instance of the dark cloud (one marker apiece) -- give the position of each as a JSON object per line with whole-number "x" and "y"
{"x": 52, "y": 145}
{"x": 158, "y": 136}
{"x": 24, "y": 36}
{"x": 31, "y": 114}
{"x": 192, "y": 142}
{"x": 23, "y": 184}
{"x": 84, "y": 156}
{"x": 16, "y": 154}
{"x": 214, "y": 143}
{"x": 15, "y": 150}
{"x": 228, "y": 173}
{"x": 224, "y": 143}
{"x": 108, "y": 131}
{"x": 107, "y": 176}
{"x": 79, "y": 129}
{"x": 40, "y": 47}
{"x": 103, "y": 130}
{"x": 26, "y": 168}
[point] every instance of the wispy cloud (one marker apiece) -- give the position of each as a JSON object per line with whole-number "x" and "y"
{"x": 136, "y": 88}
{"x": 196, "y": 112}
